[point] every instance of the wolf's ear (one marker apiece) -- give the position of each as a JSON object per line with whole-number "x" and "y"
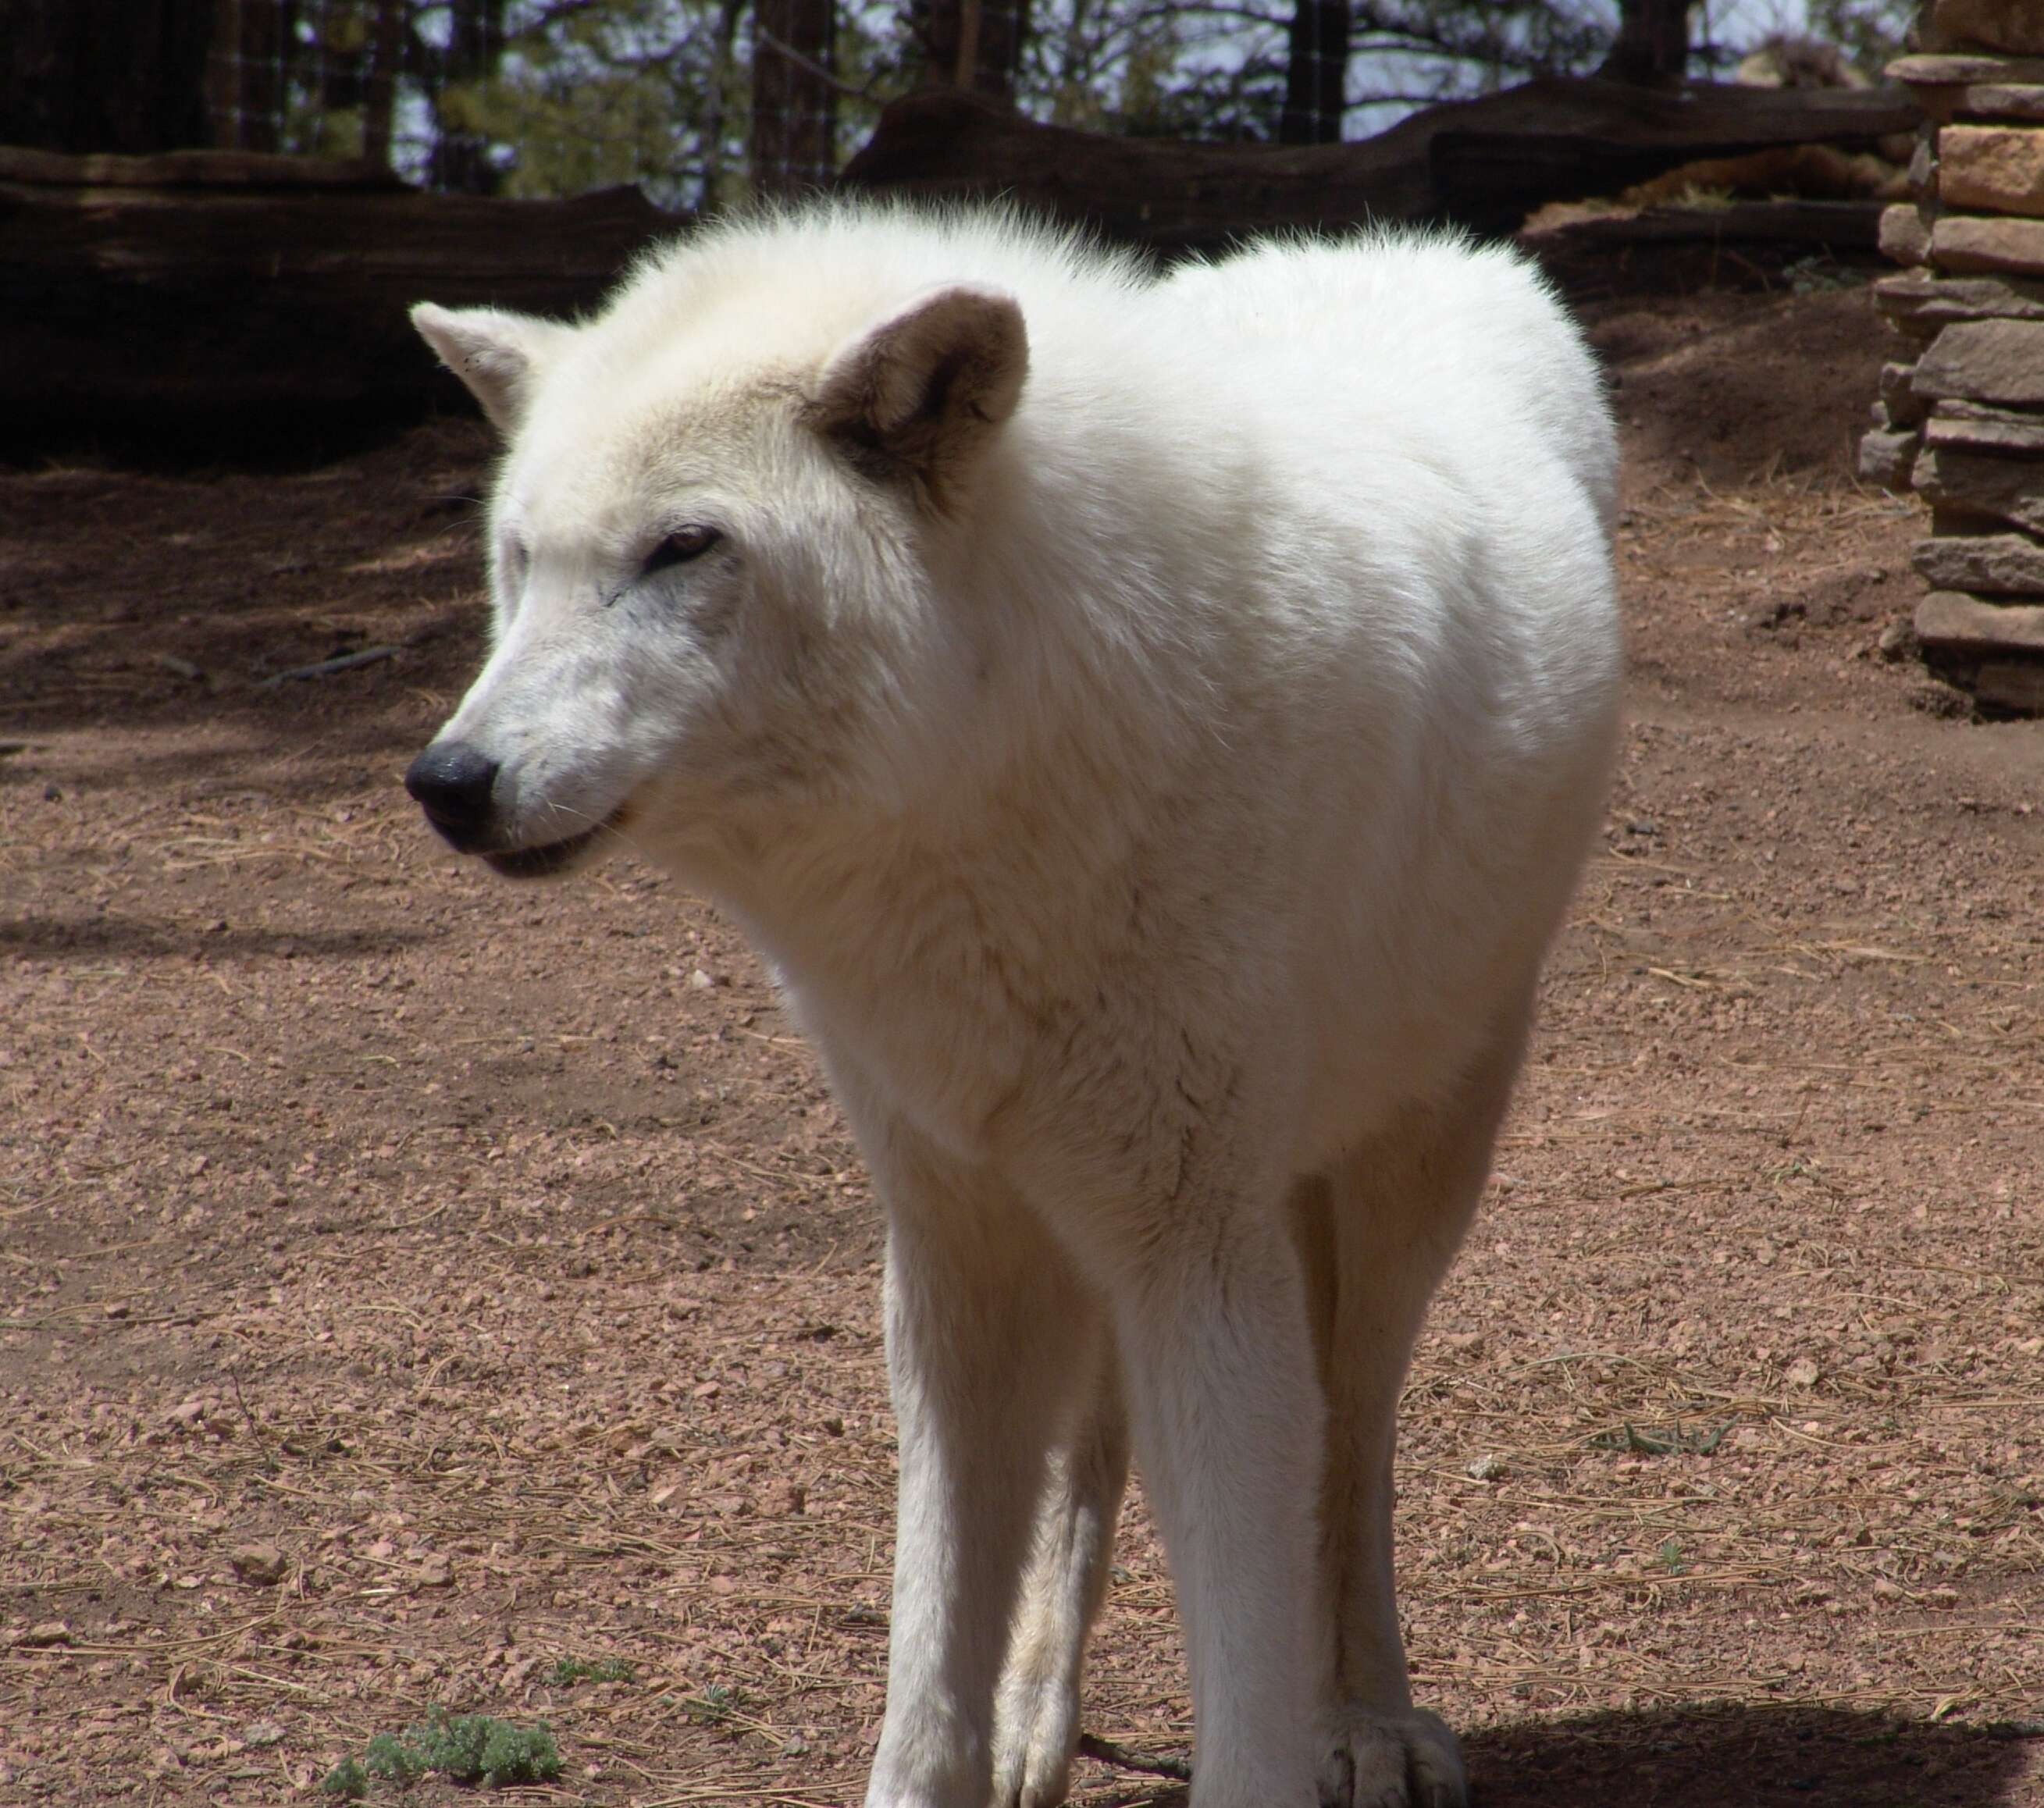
{"x": 497, "y": 354}
{"x": 918, "y": 392}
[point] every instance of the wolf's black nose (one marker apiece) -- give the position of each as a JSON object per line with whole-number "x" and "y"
{"x": 451, "y": 780}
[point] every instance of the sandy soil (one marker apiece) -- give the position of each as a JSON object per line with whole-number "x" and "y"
{"x": 407, "y": 1283}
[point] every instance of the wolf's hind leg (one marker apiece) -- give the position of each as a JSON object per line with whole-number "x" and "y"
{"x": 1376, "y": 1237}
{"x": 1036, "y": 1707}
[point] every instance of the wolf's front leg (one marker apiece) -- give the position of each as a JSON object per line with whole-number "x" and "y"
{"x": 1036, "y": 1710}
{"x": 981, "y": 1307}
{"x": 1227, "y": 1413}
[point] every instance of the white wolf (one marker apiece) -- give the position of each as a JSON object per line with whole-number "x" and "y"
{"x": 1152, "y": 727}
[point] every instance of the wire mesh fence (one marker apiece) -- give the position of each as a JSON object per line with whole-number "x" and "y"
{"x": 703, "y": 102}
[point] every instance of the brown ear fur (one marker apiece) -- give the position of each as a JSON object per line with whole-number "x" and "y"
{"x": 917, "y": 394}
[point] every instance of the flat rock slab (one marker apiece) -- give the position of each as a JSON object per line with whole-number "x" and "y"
{"x": 2005, "y": 684}
{"x": 1990, "y": 361}
{"x": 1952, "y": 620}
{"x": 1965, "y": 242}
{"x": 1998, "y": 167}
{"x": 1974, "y": 424}
{"x": 1905, "y": 233}
{"x": 1963, "y": 70}
{"x": 1992, "y": 564}
{"x": 1885, "y": 458}
{"x": 2013, "y": 25}
{"x": 1898, "y": 395}
{"x": 1995, "y": 100}
{"x": 2009, "y": 489}
{"x": 1921, "y": 303}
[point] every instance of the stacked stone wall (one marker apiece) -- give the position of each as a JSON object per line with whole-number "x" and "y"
{"x": 1960, "y": 420}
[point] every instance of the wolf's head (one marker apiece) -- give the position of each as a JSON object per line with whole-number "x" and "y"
{"x": 712, "y": 543}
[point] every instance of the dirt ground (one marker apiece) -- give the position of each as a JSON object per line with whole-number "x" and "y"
{"x": 408, "y": 1282}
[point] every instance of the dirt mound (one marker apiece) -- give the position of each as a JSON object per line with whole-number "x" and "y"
{"x": 1730, "y": 387}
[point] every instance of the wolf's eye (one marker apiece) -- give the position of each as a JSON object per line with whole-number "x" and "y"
{"x": 680, "y": 546}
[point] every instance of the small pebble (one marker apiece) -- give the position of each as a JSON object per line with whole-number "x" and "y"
{"x": 260, "y": 1566}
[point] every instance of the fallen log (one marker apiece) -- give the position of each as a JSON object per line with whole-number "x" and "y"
{"x": 1746, "y": 243}
{"x": 200, "y": 290}
{"x": 190, "y": 169}
{"x": 1841, "y": 228}
{"x": 1484, "y": 164}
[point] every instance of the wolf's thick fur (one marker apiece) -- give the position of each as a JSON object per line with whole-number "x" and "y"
{"x": 1152, "y": 728}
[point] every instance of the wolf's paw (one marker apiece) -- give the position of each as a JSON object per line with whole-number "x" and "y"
{"x": 1393, "y": 1760}
{"x": 1037, "y": 1726}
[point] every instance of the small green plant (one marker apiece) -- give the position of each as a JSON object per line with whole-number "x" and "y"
{"x": 570, "y": 1671}
{"x": 392, "y": 1759}
{"x": 347, "y": 1780}
{"x": 716, "y": 1704}
{"x": 1631, "y": 1439}
{"x": 1671, "y": 1557}
{"x": 464, "y": 1748}
{"x": 1816, "y": 275}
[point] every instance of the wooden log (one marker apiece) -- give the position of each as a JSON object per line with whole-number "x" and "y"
{"x": 944, "y": 144}
{"x": 191, "y": 169}
{"x": 1853, "y": 226}
{"x": 1483, "y": 163}
{"x": 172, "y": 298}
{"x": 1558, "y": 140}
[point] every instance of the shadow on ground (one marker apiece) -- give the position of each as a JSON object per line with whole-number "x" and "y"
{"x": 183, "y": 600}
{"x": 1745, "y": 1757}
{"x": 1728, "y": 1757}
{"x": 48, "y": 938}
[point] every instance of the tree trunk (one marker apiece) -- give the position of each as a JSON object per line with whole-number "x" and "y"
{"x": 460, "y": 161}
{"x": 119, "y": 75}
{"x": 379, "y": 80}
{"x": 1652, "y": 50}
{"x": 794, "y": 95}
{"x": 1315, "y": 74}
{"x": 973, "y": 44}
{"x": 247, "y": 75}
{"x": 725, "y": 49}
